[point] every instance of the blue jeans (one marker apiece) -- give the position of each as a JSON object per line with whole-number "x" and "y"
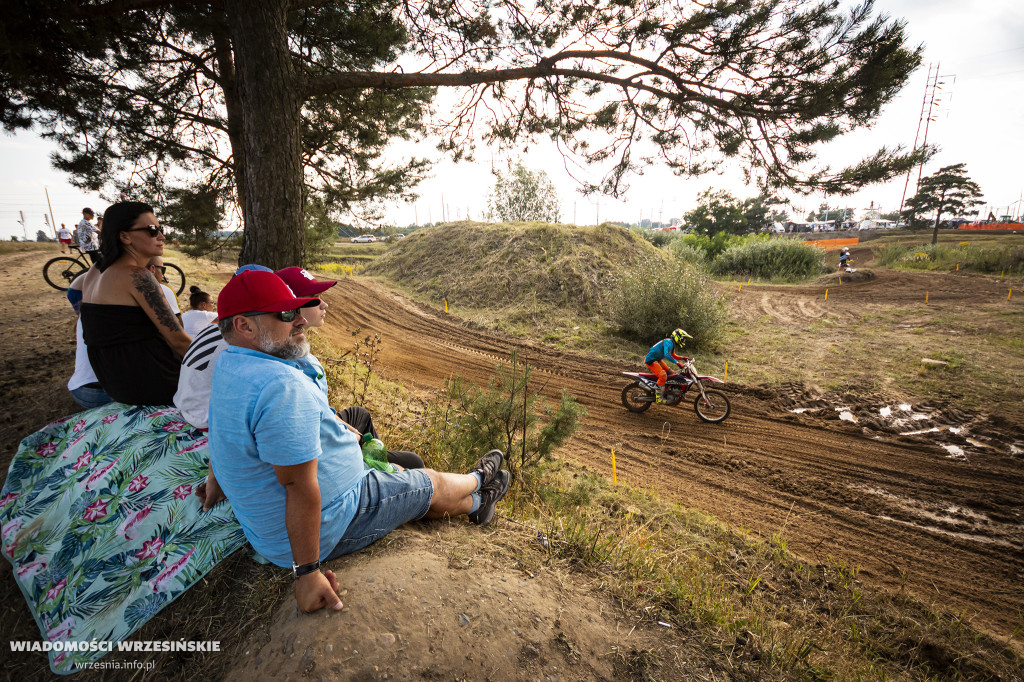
{"x": 90, "y": 396}
{"x": 386, "y": 501}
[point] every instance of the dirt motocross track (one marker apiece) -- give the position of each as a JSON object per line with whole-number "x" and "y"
{"x": 945, "y": 523}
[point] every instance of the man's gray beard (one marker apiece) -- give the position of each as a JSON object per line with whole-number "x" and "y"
{"x": 286, "y": 350}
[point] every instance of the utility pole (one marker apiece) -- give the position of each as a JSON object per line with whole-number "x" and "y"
{"x": 53, "y": 222}
{"x": 932, "y": 85}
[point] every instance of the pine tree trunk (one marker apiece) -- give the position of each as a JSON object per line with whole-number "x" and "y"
{"x": 268, "y": 94}
{"x": 935, "y": 232}
{"x": 233, "y": 108}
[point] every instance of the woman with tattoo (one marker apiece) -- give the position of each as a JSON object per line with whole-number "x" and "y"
{"x": 133, "y": 339}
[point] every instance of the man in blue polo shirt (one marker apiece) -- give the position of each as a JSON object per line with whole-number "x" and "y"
{"x": 292, "y": 470}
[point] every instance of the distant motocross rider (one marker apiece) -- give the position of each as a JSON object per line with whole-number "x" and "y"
{"x": 665, "y": 351}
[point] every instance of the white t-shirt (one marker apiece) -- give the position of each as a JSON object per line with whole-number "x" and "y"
{"x": 197, "y": 320}
{"x": 83, "y": 369}
{"x": 172, "y": 300}
{"x": 64, "y": 233}
{"x": 196, "y": 378}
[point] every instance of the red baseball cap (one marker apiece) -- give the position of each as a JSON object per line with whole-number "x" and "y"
{"x": 303, "y": 283}
{"x": 258, "y": 291}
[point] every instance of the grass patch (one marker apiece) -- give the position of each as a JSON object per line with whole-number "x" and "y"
{"x": 19, "y": 246}
{"x": 994, "y": 259}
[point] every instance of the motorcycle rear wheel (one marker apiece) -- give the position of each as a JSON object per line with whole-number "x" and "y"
{"x": 715, "y": 410}
{"x": 636, "y": 398}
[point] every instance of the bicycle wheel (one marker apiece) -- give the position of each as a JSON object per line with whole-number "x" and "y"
{"x": 636, "y": 398}
{"x": 60, "y": 271}
{"x": 174, "y": 277}
{"x": 715, "y": 409}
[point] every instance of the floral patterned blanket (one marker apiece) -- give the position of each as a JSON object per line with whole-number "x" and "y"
{"x": 100, "y": 524}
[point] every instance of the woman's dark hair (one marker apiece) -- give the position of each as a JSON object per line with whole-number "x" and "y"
{"x": 197, "y": 296}
{"x": 116, "y": 220}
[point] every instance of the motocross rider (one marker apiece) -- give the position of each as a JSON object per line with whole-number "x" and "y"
{"x": 665, "y": 351}
{"x": 844, "y": 257}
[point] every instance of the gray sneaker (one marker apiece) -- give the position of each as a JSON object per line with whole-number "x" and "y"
{"x": 488, "y": 466}
{"x": 490, "y": 495}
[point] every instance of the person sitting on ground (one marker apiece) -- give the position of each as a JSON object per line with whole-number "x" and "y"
{"x": 663, "y": 352}
{"x": 64, "y": 237}
{"x": 357, "y": 418}
{"x": 157, "y": 268}
{"x": 133, "y": 339}
{"x": 85, "y": 388}
{"x": 195, "y": 382}
{"x": 201, "y": 314}
{"x": 293, "y": 472}
{"x": 87, "y": 241}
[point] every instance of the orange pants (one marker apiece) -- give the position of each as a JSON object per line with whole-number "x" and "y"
{"x": 660, "y": 370}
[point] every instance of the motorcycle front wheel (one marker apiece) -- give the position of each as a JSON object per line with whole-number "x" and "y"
{"x": 713, "y": 410}
{"x": 636, "y": 398}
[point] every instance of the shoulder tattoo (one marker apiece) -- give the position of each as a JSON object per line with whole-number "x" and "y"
{"x": 147, "y": 285}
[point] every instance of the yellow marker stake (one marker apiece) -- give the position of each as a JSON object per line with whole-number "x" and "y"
{"x": 826, "y": 294}
{"x": 615, "y": 479}
{"x": 958, "y": 267}
{"x": 726, "y": 378}
{"x": 840, "y": 280}
{"x": 926, "y": 297}
{"x": 1009, "y": 294}
{"x": 446, "y": 305}
{"x": 739, "y": 288}
{"x": 748, "y": 280}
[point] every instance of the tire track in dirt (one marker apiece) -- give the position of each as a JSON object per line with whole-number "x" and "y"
{"x": 831, "y": 489}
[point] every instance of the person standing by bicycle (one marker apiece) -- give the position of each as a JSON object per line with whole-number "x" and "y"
{"x": 663, "y": 352}
{"x": 88, "y": 243}
{"x": 64, "y": 237}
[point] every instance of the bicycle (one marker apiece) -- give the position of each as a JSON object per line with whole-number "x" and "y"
{"x": 59, "y": 272}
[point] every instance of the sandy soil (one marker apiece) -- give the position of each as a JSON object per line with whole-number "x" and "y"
{"x": 911, "y": 513}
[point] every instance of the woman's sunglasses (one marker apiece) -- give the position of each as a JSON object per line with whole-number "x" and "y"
{"x": 153, "y": 230}
{"x": 284, "y": 315}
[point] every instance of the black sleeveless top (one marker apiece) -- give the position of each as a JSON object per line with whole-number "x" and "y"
{"x": 131, "y": 359}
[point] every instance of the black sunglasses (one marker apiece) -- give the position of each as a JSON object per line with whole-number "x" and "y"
{"x": 153, "y": 230}
{"x": 161, "y": 268}
{"x": 284, "y": 315}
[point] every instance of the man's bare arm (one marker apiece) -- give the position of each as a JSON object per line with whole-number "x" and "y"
{"x": 318, "y": 589}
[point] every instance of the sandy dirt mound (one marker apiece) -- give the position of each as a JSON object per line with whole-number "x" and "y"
{"x": 481, "y": 622}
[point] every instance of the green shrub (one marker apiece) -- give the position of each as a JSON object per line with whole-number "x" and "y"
{"x": 686, "y": 252}
{"x": 778, "y": 260}
{"x": 656, "y": 295}
{"x": 660, "y": 238}
{"x": 891, "y": 254}
{"x": 467, "y": 421}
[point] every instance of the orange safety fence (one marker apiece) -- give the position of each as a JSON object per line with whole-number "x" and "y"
{"x": 833, "y": 244}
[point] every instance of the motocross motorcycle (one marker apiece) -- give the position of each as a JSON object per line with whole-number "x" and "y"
{"x": 711, "y": 405}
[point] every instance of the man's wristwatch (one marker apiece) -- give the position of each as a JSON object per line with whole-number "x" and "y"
{"x": 299, "y": 571}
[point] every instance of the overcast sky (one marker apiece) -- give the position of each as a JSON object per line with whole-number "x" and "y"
{"x": 979, "y": 122}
